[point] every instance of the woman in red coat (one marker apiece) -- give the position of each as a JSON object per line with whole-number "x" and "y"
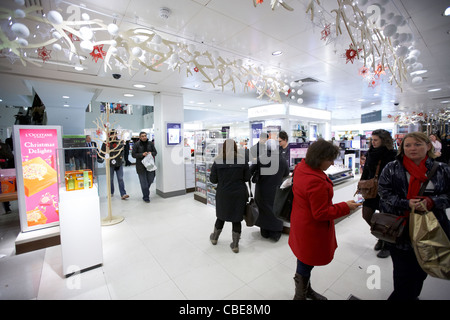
{"x": 312, "y": 237}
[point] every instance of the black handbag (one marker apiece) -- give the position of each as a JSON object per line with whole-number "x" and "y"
{"x": 282, "y": 205}
{"x": 251, "y": 210}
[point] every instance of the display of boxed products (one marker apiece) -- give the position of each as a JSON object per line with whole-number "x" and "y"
{"x": 8, "y": 180}
{"x": 79, "y": 179}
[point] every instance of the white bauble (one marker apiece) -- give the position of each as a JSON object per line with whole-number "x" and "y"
{"x": 113, "y": 50}
{"x": 56, "y": 35}
{"x": 86, "y": 46}
{"x": 113, "y": 29}
{"x": 55, "y": 17}
{"x": 57, "y": 47}
{"x": 20, "y": 30}
{"x": 157, "y": 39}
{"x": 401, "y": 51}
{"x": 415, "y": 53}
{"x": 417, "y": 80}
{"x": 85, "y": 17}
{"x": 390, "y": 30}
{"x": 299, "y": 100}
{"x": 86, "y": 33}
{"x": 191, "y": 48}
{"x": 293, "y": 84}
{"x": 136, "y": 51}
{"x": 300, "y": 92}
{"x": 19, "y": 14}
{"x": 22, "y": 42}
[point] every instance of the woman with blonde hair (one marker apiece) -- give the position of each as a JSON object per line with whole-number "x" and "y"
{"x": 398, "y": 187}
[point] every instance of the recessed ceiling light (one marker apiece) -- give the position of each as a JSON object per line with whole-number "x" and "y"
{"x": 128, "y": 95}
{"x": 418, "y": 72}
{"x": 447, "y": 12}
{"x": 196, "y": 85}
{"x": 434, "y": 90}
{"x": 200, "y": 103}
{"x": 79, "y": 68}
{"x": 65, "y": 97}
{"x": 66, "y": 105}
{"x": 445, "y": 101}
{"x": 277, "y": 53}
{"x": 139, "y": 86}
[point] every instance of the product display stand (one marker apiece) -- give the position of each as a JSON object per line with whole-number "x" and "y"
{"x": 110, "y": 219}
{"x": 80, "y": 229}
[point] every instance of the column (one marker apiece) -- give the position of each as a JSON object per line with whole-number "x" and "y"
{"x": 170, "y": 177}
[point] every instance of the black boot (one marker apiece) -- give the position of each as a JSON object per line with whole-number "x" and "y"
{"x": 384, "y": 252}
{"x": 215, "y": 236}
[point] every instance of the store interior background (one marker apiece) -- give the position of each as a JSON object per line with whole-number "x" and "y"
{"x": 237, "y": 30}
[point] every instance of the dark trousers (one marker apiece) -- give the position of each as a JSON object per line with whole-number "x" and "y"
{"x": 304, "y": 269}
{"x": 237, "y": 227}
{"x": 408, "y": 275}
{"x": 146, "y": 179}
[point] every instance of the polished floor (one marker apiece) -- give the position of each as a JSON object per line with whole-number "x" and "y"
{"x": 162, "y": 251}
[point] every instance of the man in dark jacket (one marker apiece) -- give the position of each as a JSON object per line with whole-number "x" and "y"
{"x": 140, "y": 150}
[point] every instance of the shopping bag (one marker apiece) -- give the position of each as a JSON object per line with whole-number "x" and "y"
{"x": 282, "y": 205}
{"x": 149, "y": 162}
{"x": 251, "y": 213}
{"x": 431, "y": 244}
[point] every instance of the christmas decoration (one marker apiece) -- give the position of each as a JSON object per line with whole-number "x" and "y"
{"x": 114, "y": 146}
{"x": 325, "y": 32}
{"x": 44, "y": 54}
{"x": 351, "y": 54}
{"x": 98, "y": 53}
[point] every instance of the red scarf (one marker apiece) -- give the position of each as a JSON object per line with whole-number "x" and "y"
{"x": 418, "y": 176}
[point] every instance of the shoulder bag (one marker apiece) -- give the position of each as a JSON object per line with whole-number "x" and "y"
{"x": 251, "y": 210}
{"x": 284, "y": 197}
{"x": 369, "y": 188}
{"x": 390, "y": 227}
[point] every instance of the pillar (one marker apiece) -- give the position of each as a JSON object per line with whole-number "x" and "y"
{"x": 170, "y": 177}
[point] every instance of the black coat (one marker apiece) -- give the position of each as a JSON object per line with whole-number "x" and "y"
{"x": 231, "y": 191}
{"x": 393, "y": 188}
{"x": 370, "y": 168}
{"x": 138, "y": 153}
{"x": 266, "y": 187}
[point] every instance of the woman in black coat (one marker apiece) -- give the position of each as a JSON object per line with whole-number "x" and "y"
{"x": 271, "y": 168}
{"x": 230, "y": 171}
{"x": 381, "y": 149}
{"x": 398, "y": 187}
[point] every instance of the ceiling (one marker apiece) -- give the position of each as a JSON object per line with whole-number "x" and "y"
{"x": 237, "y": 29}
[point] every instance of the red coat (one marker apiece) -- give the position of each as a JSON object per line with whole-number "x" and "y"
{"x": 312, "y": 237}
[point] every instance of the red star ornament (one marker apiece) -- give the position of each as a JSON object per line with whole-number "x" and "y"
{"x": 351, "y": 54}
{"x": 325, "y": 32}
{"x": 259, "y": 1}
{"x": 98, "y": 53}
{"x": 44, "y": 53}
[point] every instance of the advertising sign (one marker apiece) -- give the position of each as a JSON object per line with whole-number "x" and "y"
{"x": 37, "y": 181}
{"x": 173, "y": 134}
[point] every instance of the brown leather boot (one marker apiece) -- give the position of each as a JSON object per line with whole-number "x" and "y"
{"x": 303, "y": 290}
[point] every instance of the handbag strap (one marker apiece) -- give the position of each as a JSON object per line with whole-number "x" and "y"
{"x": 250, "y": 188}
{"x": 429, "y": 176}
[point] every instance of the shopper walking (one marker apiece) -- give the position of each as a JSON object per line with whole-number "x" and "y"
{"x": 437, "y": 145}
{"x": 312, "y": 236}
{"x": 380, "y": 152}
{"x": 116, "y": 163}
{"x": 230, "y": 172}
{"x": 140, "y": 150}
{"x": 398, "y": 187}
{"x": 272, "y": 169}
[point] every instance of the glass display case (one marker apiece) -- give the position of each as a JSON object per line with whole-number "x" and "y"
{"x": 77, "y": 169}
